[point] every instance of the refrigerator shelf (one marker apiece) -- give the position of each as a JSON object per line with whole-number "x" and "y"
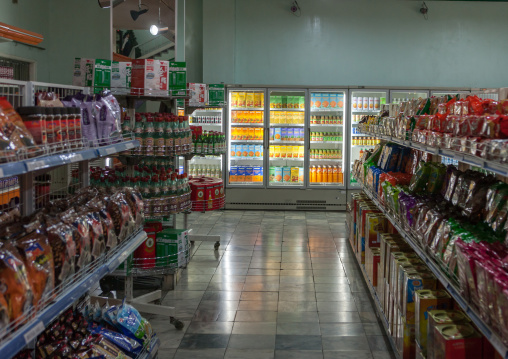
{"x": 287, "y": 109}
{"x": 285, "y": 184}
{"x": 272, "y": 142}
{"x": 325, "y": 159}
{"x": 246, "y": 141}
{"x": 324, "y": 184}
{"x": 363, "y": 145}
{"x": 247, "y": 108}
{"x": 375, "y": 111}
{"x": 205, "y": 124}
{"x": 286, "y": 125}
{"x": 249, "y": 124}
{"x": 327, "y": 125}
{"x": 326, "y": 110}
{"x": 286, "y": 159}
{"x": 246, "y": 158}
{"x": 325, "y": 142}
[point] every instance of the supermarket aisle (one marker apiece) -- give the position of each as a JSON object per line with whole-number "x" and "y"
{"x": 282, "y": 285}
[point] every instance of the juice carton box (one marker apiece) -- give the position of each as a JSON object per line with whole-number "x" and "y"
{"x": 257, "y": 177}
{"x": 249, "y": 99}
{"x": 239, "y": 150}
{"x": 411, "y": 285}
{"x": 258, "y": 133}
{"x": 294, "y": 174}
{"x": 291, "y": 134}
{"x": 121, "y": 73}
{"x": 278, "y": 174}
{"x": 286, "y": 174}
{"x": 295, "y": 151}
{"x": 284, "y": 134}
{"x": 240, "y": 174}
{"x": 249, "y": 173}
{"x": 258, "y": 151}
{"x": 242, "y": 100}
{"x": 301, "y": 174}
{"x": 318, "y": 101}
{"x": 271, "y": 174}
{"x": 301, "y": 102}
{"x": 333, "y": 100}
{"x": 234, "y": 99}
{"x": 277, "y": 134}
{"x": 252, "y": 150}
{"x": 283, "y": 117}
{"x": 272, "y": 133}
{"x": 425, "y": 301}
{"x": 276, "y": 152}
{"x": 375, "y": 223}
{"x": 312, "y": 100}
{"x": 244, "y": 133}
{"x": 257, "y": 99}
{"x": 271, "y": 151}
{"x": 233, "y": 174}
{"x": 145, "y": 77}
{"x": 252, "y": 134}
{"x": 325, "y": 100}
{"x": 283, "y": 151}
{"x": 245, "y": 151}
{"x": 284, "y": 101}
{"x": 233, "y": 151}
{"x": 301, "y": 151}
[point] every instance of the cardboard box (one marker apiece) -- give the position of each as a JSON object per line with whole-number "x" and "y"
{"x": 145, "y": 77}
{"x": 454, "y": 341}
{"x": 95, "y": 73}
{"x": 374, "y": 224}
{"x": 441, "y": 317}
{"x": 425, "y": 301}
{"x": 172, "y": 247}
{"x": 198, "y": 94}
{"x": 121, "y": 76}
{"x": 217, "y": 97}
{"x": 413, "y": 283}
{"x": 178, "y": 79}
{"x": 83, "y": 72}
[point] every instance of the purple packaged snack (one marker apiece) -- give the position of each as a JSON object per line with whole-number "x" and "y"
{"x": 108, "y": 119}
{"x": 88, "y": 128}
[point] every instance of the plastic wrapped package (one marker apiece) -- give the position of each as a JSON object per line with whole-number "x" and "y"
{"x": 97, "y": 238}
{"x": 501, "y": 304}
{"x": 60, "y": 236}
{"x": 476, "y": 193}
{"x": 126, "y": 344}
{"x": 496, "y": 198}
{"x": 421, "y": 177}
{"x": 16, "y": 288}
{"x": 88, "y": 127}
{"x": 485, "y": 276}
{"x": 121, "y": 214}
{"x": 108, "y": 119}
{"x": 132, "y": 324}
{"x": 81, "y": 236}
{"x": 36, "y": 253}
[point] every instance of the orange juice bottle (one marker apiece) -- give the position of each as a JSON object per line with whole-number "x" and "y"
{"x": 319, "y": 174}
{"x": 335, "y": 174}
{"x": 313, "y": 174}
{"x": 341, "y": 176}
{"x": 329, "y": 174}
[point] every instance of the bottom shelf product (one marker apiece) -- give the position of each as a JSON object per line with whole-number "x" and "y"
{"x": 246, "y": 174}
{"x": 286, "y": 174}
{"x": 326, "y": 174}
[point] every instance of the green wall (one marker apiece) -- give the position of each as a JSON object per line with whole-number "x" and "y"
{"x": 194, "y": 40}
{"x": 362, "y": 42}
{"x": 71, "y": 28}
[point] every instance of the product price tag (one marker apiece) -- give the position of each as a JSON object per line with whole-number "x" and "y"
{"x": 35, "y": 165}
{"x": 78, "y": 157}
{"x": 110, "y": 150}
{"x": 34, "y": 332}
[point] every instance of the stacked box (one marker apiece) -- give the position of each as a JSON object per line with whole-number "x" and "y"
{"x": 172, "y": 247}
{"x": 177, "y": 78}
{"x": 95, "y": 73}
{"x": 217, "y": 97}
{"x": 441, "y": 317}
{"x": 121, "y": 76}
{"x": 198, "y": 94}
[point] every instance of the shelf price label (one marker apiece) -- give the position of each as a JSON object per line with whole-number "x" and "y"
{"x": 34, "y": 332}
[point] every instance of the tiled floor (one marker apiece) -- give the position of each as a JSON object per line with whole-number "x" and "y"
{"x": 282, "y": 285}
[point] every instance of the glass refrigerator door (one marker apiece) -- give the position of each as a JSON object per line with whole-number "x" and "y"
{"x": 245, "y": 137}
{"x": 451, "y": 93}
{"x": 398, "y": 96}
{"x": 363, "y": 103}
{"x": 211, "y": 121}
{"x": 286, "y": 138}
{"x": 326, "y": 138}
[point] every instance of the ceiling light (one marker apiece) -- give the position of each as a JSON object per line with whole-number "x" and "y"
{"x": 155, "y": 30}
{"x": 135, "y": 14}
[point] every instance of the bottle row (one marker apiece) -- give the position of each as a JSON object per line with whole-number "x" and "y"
{"x": 246, "y": 151}
{"x": 326, "y": 136}
{"x": 367, "y": 103}
{"x": 325, "y": 154}
{"x": 326, "y": 174}
{"x": 326, "y": 120}
{"x": 246, "y": 133}
{"x": 199, "y": 120}
{"x": 205, "y": 170}
{"x": 364, "y": 141}
{"x": 209, "y": 143}
{"x": 161, "y": 134}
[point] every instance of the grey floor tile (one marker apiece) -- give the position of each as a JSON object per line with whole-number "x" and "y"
{"x": 215, "y": 315}
{"x": 210, "y": 327}
{"x": 340, "y": 354}
{"x": 342, "y": 329}
{"x": 297, "y": 296}
{"x": 207, "y": 353}
{"x": 373, "y": 329}
{"x": 379, "y": 343}
{"x": 368, "y": 317}
{"x": 249, "y": 354}
{"x": 261, "y": 287}
{"x": 345, "y": 343}
{"x": 298, "y": 328}
{"x": 288, "y": 317}
{"x": 334, "y": 297}
{"x": 383, "y": 355}
{"x": 204, "y": 341}
{"x": 255, "y": 328}
{"x": 336, "y": 306}
{"x": 255, "y": 316}
{"x": 258, "y": 305}
{"x": 252, "y": 341}
{"x": 298, "y": 354}
{"x": 218, "y": 305}
{"x": 297, "y": 287}
{"x": 264, "y": 296}
{"x": 262, "y": 279}
{"x": 166, "y": 353}
{"x": 339, "y": 317}
{"x": 298, "y": 342}
{"x": 293, "y": 307}
{"x": 229, "y": 287}
{"x": 221, "y": 295}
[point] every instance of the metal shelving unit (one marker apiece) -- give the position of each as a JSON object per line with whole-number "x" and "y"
{"x": 450, "y": 286}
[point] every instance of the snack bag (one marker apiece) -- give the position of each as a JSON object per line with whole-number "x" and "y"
{"x": 38, "y": 258}
{"x": 14, "y": 134}
{"x": 123, "y": 342}
{"x": 16, "y": 288}
{"x": 421, "y": 178}
{"x": 132, "y": 324}
{"x": 436, "y": 177}
{"x": 60, "y": 236}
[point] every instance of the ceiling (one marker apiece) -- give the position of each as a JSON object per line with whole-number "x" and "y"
{"x": 122, "y": 18}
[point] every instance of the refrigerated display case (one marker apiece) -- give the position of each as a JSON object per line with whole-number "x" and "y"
{"x": 245, "y": 136}
{"x": 286, "y": 138}
{"x": 327, "y": 149}
{"x": 398, "y": 96}
{"x": 211, "y": 120}
{"x": 449, "y": 92}
{"x": 362, "y": 103}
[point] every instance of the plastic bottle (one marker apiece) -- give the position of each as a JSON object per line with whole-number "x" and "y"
{"x": 148, "y": 136}
{"x": 341, "y": 176}
{"x": 319, "y": 174}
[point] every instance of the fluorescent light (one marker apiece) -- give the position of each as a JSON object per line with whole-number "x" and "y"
{"x": 154, "y": 30}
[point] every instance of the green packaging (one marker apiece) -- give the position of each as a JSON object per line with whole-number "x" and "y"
{"x": 177, "y": 78}
{"x": 216, "y": 94}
